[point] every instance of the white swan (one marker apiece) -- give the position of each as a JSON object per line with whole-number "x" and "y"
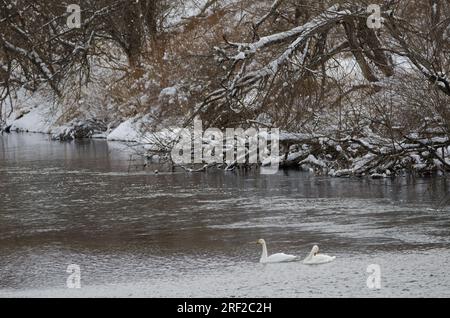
{"x": 275, "y": 258}
{"x": 315, "y": 258}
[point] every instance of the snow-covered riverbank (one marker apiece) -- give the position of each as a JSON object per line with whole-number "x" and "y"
{"x": 365, "y": 155}
{"x": 36, "y": 115}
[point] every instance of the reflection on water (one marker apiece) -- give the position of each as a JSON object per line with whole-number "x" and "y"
{"x": 174, "y": 234}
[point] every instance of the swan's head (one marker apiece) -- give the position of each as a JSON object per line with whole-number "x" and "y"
{"x": 261, "y": 241}
{"x": 315, "y": 250}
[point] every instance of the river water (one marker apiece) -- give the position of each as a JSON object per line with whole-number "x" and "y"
{"x": 134, "y": 233}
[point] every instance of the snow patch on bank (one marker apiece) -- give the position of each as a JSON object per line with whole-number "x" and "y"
{"x": 36, "y": 120}
{"x": 33, "y": 114}
{"x": 137, "y": 130}
{"x": 126, "y": 131}
{"x": 38, "y": 117}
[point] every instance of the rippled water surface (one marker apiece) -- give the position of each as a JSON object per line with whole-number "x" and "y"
{"x": 134, "y": 233}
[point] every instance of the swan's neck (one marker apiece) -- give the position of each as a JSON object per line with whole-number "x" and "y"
{"x": 264, "y": 251}
{"x": 310, "y": 256}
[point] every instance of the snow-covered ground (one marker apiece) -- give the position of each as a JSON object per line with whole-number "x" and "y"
{"x": 31, "y": 113}
{"x": 126, "y": 131}
{"x": 39, "y": 119}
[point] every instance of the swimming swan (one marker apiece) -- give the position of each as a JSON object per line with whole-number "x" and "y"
{"x": 275, "y": 258}
{"x": 315, "y": 258}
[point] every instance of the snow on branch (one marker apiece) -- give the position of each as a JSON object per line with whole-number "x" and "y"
{"x": 245, "y": 80}
{"x": 34, "y": 58}
{"x": 327, "y": 18}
